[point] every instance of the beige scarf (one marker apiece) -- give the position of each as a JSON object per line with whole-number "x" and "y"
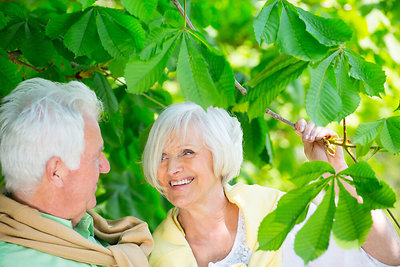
{"x": 129, "y": 238}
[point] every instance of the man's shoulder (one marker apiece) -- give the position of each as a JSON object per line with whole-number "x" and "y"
{"x": 12, "y": 255}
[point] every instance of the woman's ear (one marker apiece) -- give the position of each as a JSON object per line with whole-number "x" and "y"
{"x": 55, "y": 171}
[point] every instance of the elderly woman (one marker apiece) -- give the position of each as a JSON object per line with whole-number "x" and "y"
{"x": 190, "y": 156}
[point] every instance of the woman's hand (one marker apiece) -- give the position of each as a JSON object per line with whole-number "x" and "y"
{"x": 314, "y": 148}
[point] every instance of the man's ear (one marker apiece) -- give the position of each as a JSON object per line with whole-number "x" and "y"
{"x": 55, "y": 171}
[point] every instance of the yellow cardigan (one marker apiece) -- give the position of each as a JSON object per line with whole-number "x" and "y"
{"x": 254, "y": 201}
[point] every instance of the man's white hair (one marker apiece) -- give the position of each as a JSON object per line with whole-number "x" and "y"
{"x": 41, "y": 119}
{"x": 220, "y": 132}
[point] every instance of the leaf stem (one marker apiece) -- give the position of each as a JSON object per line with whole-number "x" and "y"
{"x": 345, "y": 142}
{"x": 184, "y": 9}
{"x": 190, "y": 25}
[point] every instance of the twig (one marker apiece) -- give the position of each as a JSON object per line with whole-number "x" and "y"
{"x": 240, "y": 87}
{"x": 187, "y": 20}
{"x": 279, "y": 118}
{"x": 393, "y": 218}
{"x": 12, "y": 56}
{"x": 190, "y": 25}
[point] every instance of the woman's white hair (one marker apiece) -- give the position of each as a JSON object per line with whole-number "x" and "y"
{"x": 220, "y": 132}
{"x": 41, "y": 119}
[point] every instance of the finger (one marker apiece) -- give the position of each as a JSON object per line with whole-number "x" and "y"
{"x": 300, "y": 126}
{"x": 317, "y": 131}
{"x": 307, "y": 131}
{"x": 323, "y": 132}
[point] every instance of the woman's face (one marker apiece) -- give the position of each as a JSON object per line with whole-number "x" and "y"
{"x": 186, "y": 171}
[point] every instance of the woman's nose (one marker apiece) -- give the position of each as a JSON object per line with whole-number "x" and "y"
{"x": 174, "y": 166}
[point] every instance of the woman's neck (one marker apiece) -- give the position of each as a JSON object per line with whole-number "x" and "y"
{"x": 217, "y": 215}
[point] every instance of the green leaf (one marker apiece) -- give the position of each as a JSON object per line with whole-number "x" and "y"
{"x": 390, "y": 134}
{"x": 202, "y": 40}
{"x": 141, "y": 75}
{"x": 371, "y": 74}
{"x": 86, "y": 3}
{"x": 37, "y": 48}
{"x": 323, "y": 103}
{"x": 141, "y": 9}
{"x": 276, "y": 225}
{"x": 154, "y": 42}
{"x": 9, "y": 74}
{"x": 352, "y": 221}
{"x": 267, "y": 23}
{"x": 3, "y": 21}
{"x": 114, "y": 38}
{"x": 376, "y": 194}
{"x": 254, "y": 139}
{"x": 279, "y": 63}
{"x": 346, "y": 89}
{"x": 173, "y": 18}
{"x": 312, "y": 240}
{"x": 221, "y": 74}
{"x": 59, "y": 24}
{"x": 367, "y": 132}
{"x": 328, "y": 31}
{"x": 104, "y": 91}
{"x": 82, "y": 38}
{"x": 266, "y": 91}
{"x": 129, "y": 23}
{"x": 293, "y": 39}
{"x": 13, "y": 36}
{"x": 81, "y": 34}
{"x": 194, "y": 77}
{"x": 117, "y": 66}
{"x": 310, "y": 171}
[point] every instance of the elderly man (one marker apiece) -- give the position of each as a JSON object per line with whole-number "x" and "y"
{"x": 51, "y": 153}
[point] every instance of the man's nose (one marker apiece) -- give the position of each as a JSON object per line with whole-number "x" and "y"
{"x": 104, "y": 166}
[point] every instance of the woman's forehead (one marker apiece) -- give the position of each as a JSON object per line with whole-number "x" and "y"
{"x": 179, "y": 139}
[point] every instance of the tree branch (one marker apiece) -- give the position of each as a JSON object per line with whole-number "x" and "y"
{"x": 190, "y": 25}
{"x": 335, "y": 142}
{"x": 12, "y": 56}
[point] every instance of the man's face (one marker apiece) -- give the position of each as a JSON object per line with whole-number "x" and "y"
{"x": 81, "y": 184}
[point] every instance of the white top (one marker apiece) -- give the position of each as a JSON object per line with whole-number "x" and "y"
{"x": 334, "y": 256}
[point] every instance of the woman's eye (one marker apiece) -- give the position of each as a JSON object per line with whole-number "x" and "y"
{"x": 163, "y": 157}
{"x": 188, "y": 152}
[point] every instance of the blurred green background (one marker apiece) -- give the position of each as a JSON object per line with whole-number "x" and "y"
{"x": 227, "y": 24}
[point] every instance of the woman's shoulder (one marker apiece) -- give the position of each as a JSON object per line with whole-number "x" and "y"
{"x": 170, "y": 245}
{"x": 253, "y": 192}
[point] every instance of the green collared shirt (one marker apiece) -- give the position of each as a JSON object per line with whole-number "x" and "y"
{"x": 12, "y": 255}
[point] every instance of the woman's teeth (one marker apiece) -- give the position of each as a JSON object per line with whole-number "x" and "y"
{"x": 181, "y": 182}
